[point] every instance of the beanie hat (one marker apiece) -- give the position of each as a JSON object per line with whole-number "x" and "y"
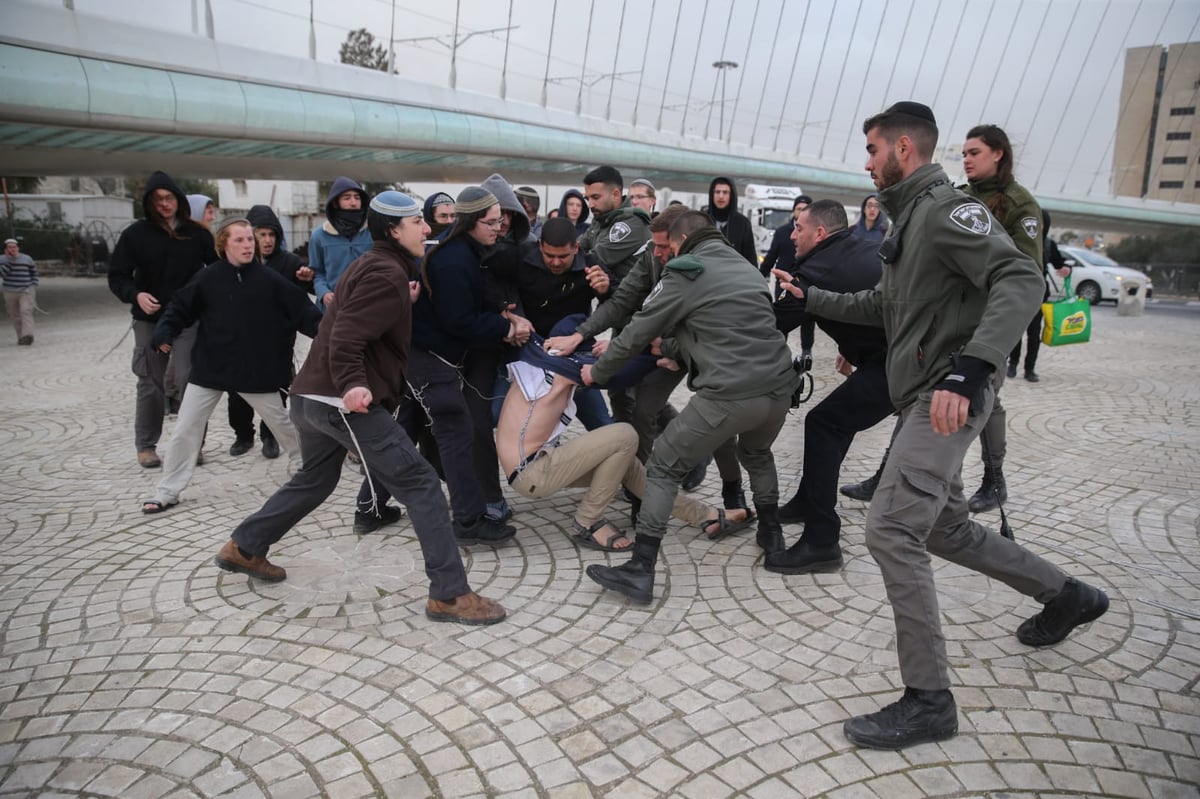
{"x": 231, "y": 220}
{"x": 474, "y": 199}
{"x": 527, "y": 192}
{"x": 643, "y": 182}
{"x": 909, "y": 108}
{"x": 395, "y": 203}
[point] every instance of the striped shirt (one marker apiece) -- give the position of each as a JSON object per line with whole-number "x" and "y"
{"x": 19, "y": 274}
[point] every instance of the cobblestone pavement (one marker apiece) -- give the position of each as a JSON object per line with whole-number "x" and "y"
{"x": 131, "y": 666}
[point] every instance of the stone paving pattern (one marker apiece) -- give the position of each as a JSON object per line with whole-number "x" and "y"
{"x": 131, "y": 666}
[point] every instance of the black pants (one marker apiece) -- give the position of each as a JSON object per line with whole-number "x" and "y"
{"x": 437, "y": 391}
{"x": 479, "y": 380}
{"x": 858, "y": 404}
{"x": 391, "y": 459}
{"x": 1034, "y": 335}
{"x": 241, "y": 418}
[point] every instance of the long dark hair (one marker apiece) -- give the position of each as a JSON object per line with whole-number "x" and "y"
{"x": 463, "y": 225}
{"x": 995, "y": 138}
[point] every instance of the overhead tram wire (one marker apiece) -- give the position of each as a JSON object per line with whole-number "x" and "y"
{"x": 937, "y": 11}
{"x": 637, "y": 102}
{"x": 815, "y": 74}
{"x": 887, "y": 90}
{"x": 742, "y": 73}
{"x": 950, "y": 51}
{"x": 791, "y": 76}
{"x": 863, "y": 86}
{"x": 1029, "y": 60}
{"x": 762, "y": 95}
{"x": 587, "y": 43}
{"x": 724, "y": 42}
{"x": 841, "y": 75}
{"x": 1046, "y": 83}
{"x": 987, "y": 99}
{"x": 667, "y": 82}
{"x": 504, "y": 69}
{"x": 549, "y": 52}
{"x": 1117, "y": 58}
{"x": 695, "y": 63}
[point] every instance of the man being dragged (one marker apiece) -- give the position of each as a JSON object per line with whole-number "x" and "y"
{"x": 540, "y": 462}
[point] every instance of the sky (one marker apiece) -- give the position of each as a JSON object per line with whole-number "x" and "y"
{"x": 1048, "y": 71}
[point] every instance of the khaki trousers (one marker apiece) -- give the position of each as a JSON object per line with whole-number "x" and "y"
{"x": 19, "y": 305}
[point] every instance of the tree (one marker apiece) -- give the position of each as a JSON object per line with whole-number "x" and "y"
{"x": 22, "y": 185}
{"x": 360, "y": 50}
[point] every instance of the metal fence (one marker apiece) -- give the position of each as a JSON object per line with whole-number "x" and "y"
{"x": 80, "y": 249}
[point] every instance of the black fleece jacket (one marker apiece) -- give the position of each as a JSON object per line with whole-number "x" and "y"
{"x": 248, "y": 319}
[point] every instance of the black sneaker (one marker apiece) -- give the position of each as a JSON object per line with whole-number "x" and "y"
{"x": 861, "y": 491}
{"x": 1031, "y": 376}
{"x": 918, "y": 717}
{"x": 483, "y": 530}
{"x": 633, "y": 579}
{"x": 270, "y": 449}
{"x": 1077, "y": 604}
{"x": 241, "y": 446}
{"x": 367, "y": 522}
{"x": 804, "y": 558}
{"x": 1012, "y": 370}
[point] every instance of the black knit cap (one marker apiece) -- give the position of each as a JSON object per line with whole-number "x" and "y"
{"x": 909, "y": 108}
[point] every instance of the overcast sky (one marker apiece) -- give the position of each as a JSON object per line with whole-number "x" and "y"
{"x": 1048, "y": 71}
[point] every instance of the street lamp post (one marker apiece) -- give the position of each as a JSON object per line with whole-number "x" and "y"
{"x": 724, "y": 66}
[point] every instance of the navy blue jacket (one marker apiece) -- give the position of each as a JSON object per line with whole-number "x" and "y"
{"x": 451, "y": 315}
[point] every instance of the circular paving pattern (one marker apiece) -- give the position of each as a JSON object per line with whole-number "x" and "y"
{"x": 131, "y": 666}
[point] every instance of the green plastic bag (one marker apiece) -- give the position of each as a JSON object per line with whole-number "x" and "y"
{"x": 1068, "y": 321}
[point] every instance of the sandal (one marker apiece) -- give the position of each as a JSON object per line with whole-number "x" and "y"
{"x": 152, "y": 506}
{"x": 725, "y": 527}
{"x": 585, "y": 537}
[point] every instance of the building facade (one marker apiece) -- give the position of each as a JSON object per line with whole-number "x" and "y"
{"x": 1157, "y": 150}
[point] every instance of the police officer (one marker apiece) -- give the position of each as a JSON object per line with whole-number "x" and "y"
{"x": 955, "y": 294}
{"x": 830, "y": 257}
{"x": 714, "y": 304}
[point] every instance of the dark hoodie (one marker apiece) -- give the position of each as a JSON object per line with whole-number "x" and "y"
{"x": 860, "y": 229}
{"x": 503, "y": 257}
{"x": 341, "y": 239}
{"x": 284, "y": 262}
{"x": 151, "y": 258}
{"x": 546, "y": 298}
{"x": 436, "y": 228}
{"x": 582, "y": 225}
{"x": 733, "y": 224}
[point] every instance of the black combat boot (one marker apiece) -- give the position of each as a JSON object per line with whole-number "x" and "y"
{"x": 770, "y": 532}
{"x": 918, "y": 717}
{"x": 1078, "y": 603}
{"x": 634, "y": 579}
{"x": 866, "y": 489}
{"x": 992, "y": 491}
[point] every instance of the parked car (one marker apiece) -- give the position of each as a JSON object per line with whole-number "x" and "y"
{"x": 1096, "y": 277}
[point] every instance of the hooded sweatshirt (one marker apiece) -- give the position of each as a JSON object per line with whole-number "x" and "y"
{"x": 340, "y": 240}
{"x": 436, "y": 228}
{"x": 503, "y": 257}
{"x": 582, "y": 225}
{"x": 284, "y": 262}
{"x": 155, "y": 258}
{"x": 733, "y": 224}
{"x": 196, "y": 205}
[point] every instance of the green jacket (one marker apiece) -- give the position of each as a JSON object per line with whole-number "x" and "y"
{"x": 1015, "y": 209}
{"x": 617, "y": 239}
{"x": 956, "y": 285}
{"x": 620, "y": 305}
{"x": 718, "y": 309}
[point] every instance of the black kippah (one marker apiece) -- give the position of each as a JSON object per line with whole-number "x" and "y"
{"x": 909, "y": 108}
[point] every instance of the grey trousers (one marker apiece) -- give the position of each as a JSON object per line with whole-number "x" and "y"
{"x": 650, "y": 397}
{"x": 993, "y": 443}
{"x": 150, "y": 366}
{"x": 919, "y": 509}
{"x": 390, "y": 458}
{"x": 699, "y": 429}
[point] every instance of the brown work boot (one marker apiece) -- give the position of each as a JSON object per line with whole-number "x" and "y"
{"x": 148, "y": 458}
{"x": 231, "y": 559}
{"x": 467, "y": 609}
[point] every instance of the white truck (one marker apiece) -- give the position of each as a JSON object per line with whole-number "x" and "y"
{"x": 767, "y": 207}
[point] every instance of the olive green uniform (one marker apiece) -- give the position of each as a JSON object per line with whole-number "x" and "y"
{"x": 617, "y": 239}
{"x": 1021, "y": 216}
{"x": 717, "y": 311}
{"x": 953, "y": 284}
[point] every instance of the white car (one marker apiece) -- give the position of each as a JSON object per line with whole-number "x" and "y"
{"x": 1096, "y": 277}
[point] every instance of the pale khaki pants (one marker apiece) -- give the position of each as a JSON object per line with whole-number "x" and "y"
{"x": 20, "y": 309}
{"x": 601, "y": 461}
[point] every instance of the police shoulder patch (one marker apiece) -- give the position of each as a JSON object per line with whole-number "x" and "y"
{"x": 973, "y": 218}
{"x": 654, "y": 292}
{"x": 619, "y": 232}
{"x": 1031, "y": 226}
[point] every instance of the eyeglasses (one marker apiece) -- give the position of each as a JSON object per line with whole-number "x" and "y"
{"x": 639, "y": 196}
{"x": 492, "y": 223}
